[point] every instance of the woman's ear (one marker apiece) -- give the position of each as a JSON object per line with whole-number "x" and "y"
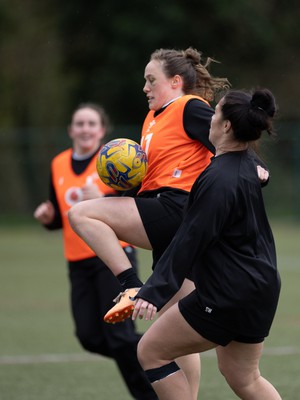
{"x": 227, "y": 126}
{"x": 176, "y": 81}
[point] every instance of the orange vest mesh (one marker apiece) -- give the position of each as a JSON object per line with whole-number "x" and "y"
{"x": 67, "y": 188}
{"x": 174, "y": 159}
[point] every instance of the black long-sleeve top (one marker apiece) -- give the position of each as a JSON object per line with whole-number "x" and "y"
{"x": 226, "y": 242}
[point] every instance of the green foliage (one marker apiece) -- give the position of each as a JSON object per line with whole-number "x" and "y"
{"x": 56, "y": 54}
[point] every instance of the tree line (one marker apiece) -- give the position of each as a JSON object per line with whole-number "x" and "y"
{"x": 56, "y": 54}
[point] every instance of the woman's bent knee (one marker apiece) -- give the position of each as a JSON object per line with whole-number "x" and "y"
{"x": 140, "y": 352}
{"x": 146, "y": 354}
{"x": 75, "y": 214}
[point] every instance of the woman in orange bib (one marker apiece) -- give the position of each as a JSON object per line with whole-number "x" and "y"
{"x": 178, "y": 88}
{"x": 74, "y": 179}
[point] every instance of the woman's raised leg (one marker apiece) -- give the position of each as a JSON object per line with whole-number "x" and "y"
{"x": 101, "y": 223}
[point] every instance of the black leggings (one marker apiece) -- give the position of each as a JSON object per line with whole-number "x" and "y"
{"x": 93, "y": 286}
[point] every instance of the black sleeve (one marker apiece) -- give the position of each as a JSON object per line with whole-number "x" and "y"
{"x": 57, "y": 222}
{"x": 196, "y": 121}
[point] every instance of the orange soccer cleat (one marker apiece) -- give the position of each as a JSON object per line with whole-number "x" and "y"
{"x": 124, "y": 307}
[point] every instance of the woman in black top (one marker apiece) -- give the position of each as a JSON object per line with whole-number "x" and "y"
{"x": 226, "y": 242}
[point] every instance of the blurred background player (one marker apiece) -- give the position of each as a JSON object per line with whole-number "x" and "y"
{"x": 74, "y": 179}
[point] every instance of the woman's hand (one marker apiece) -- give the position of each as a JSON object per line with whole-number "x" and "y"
{"x": 263, "y": 174}
{"x": 144, "y": 309}
{"x": 91, "y": 191}
{"x": 45, "y": 213}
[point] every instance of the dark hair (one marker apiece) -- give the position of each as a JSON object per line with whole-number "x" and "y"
{"x": 100, "y": 110}
{"x": 196, "y": 78}
{"x": 249, "y": 114}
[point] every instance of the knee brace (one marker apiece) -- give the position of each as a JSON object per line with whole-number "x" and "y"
{"x": 156, "y": 374}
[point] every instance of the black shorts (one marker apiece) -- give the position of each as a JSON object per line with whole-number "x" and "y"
{"x": 161, "y": 213}
{"x": 195, "y": 317}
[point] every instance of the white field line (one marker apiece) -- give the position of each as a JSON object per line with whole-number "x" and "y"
{"x": 80, "y": 357}
{"x": 48, "y": 358}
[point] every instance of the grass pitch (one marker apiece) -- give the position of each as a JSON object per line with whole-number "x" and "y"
{"x": 40, "y": 358}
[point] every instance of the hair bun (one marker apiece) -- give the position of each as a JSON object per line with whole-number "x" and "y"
{"x": 193, "y": 55}
{"x": 263, "y": 100}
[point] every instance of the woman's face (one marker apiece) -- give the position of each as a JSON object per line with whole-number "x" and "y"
{"x": 86, "y": 130}
{"x": 217, "y": 124}
{"x": 158, "y": 88}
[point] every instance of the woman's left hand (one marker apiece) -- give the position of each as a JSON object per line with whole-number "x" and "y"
{"x": 144, "y": 309}
{"x": 91, "y": 191}
{"x": 263, "y": 174}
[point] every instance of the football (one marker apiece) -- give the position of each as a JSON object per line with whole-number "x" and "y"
{"x": 122, "y": 164}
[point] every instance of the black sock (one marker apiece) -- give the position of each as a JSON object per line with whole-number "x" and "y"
{"x": 129, "y": 279}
